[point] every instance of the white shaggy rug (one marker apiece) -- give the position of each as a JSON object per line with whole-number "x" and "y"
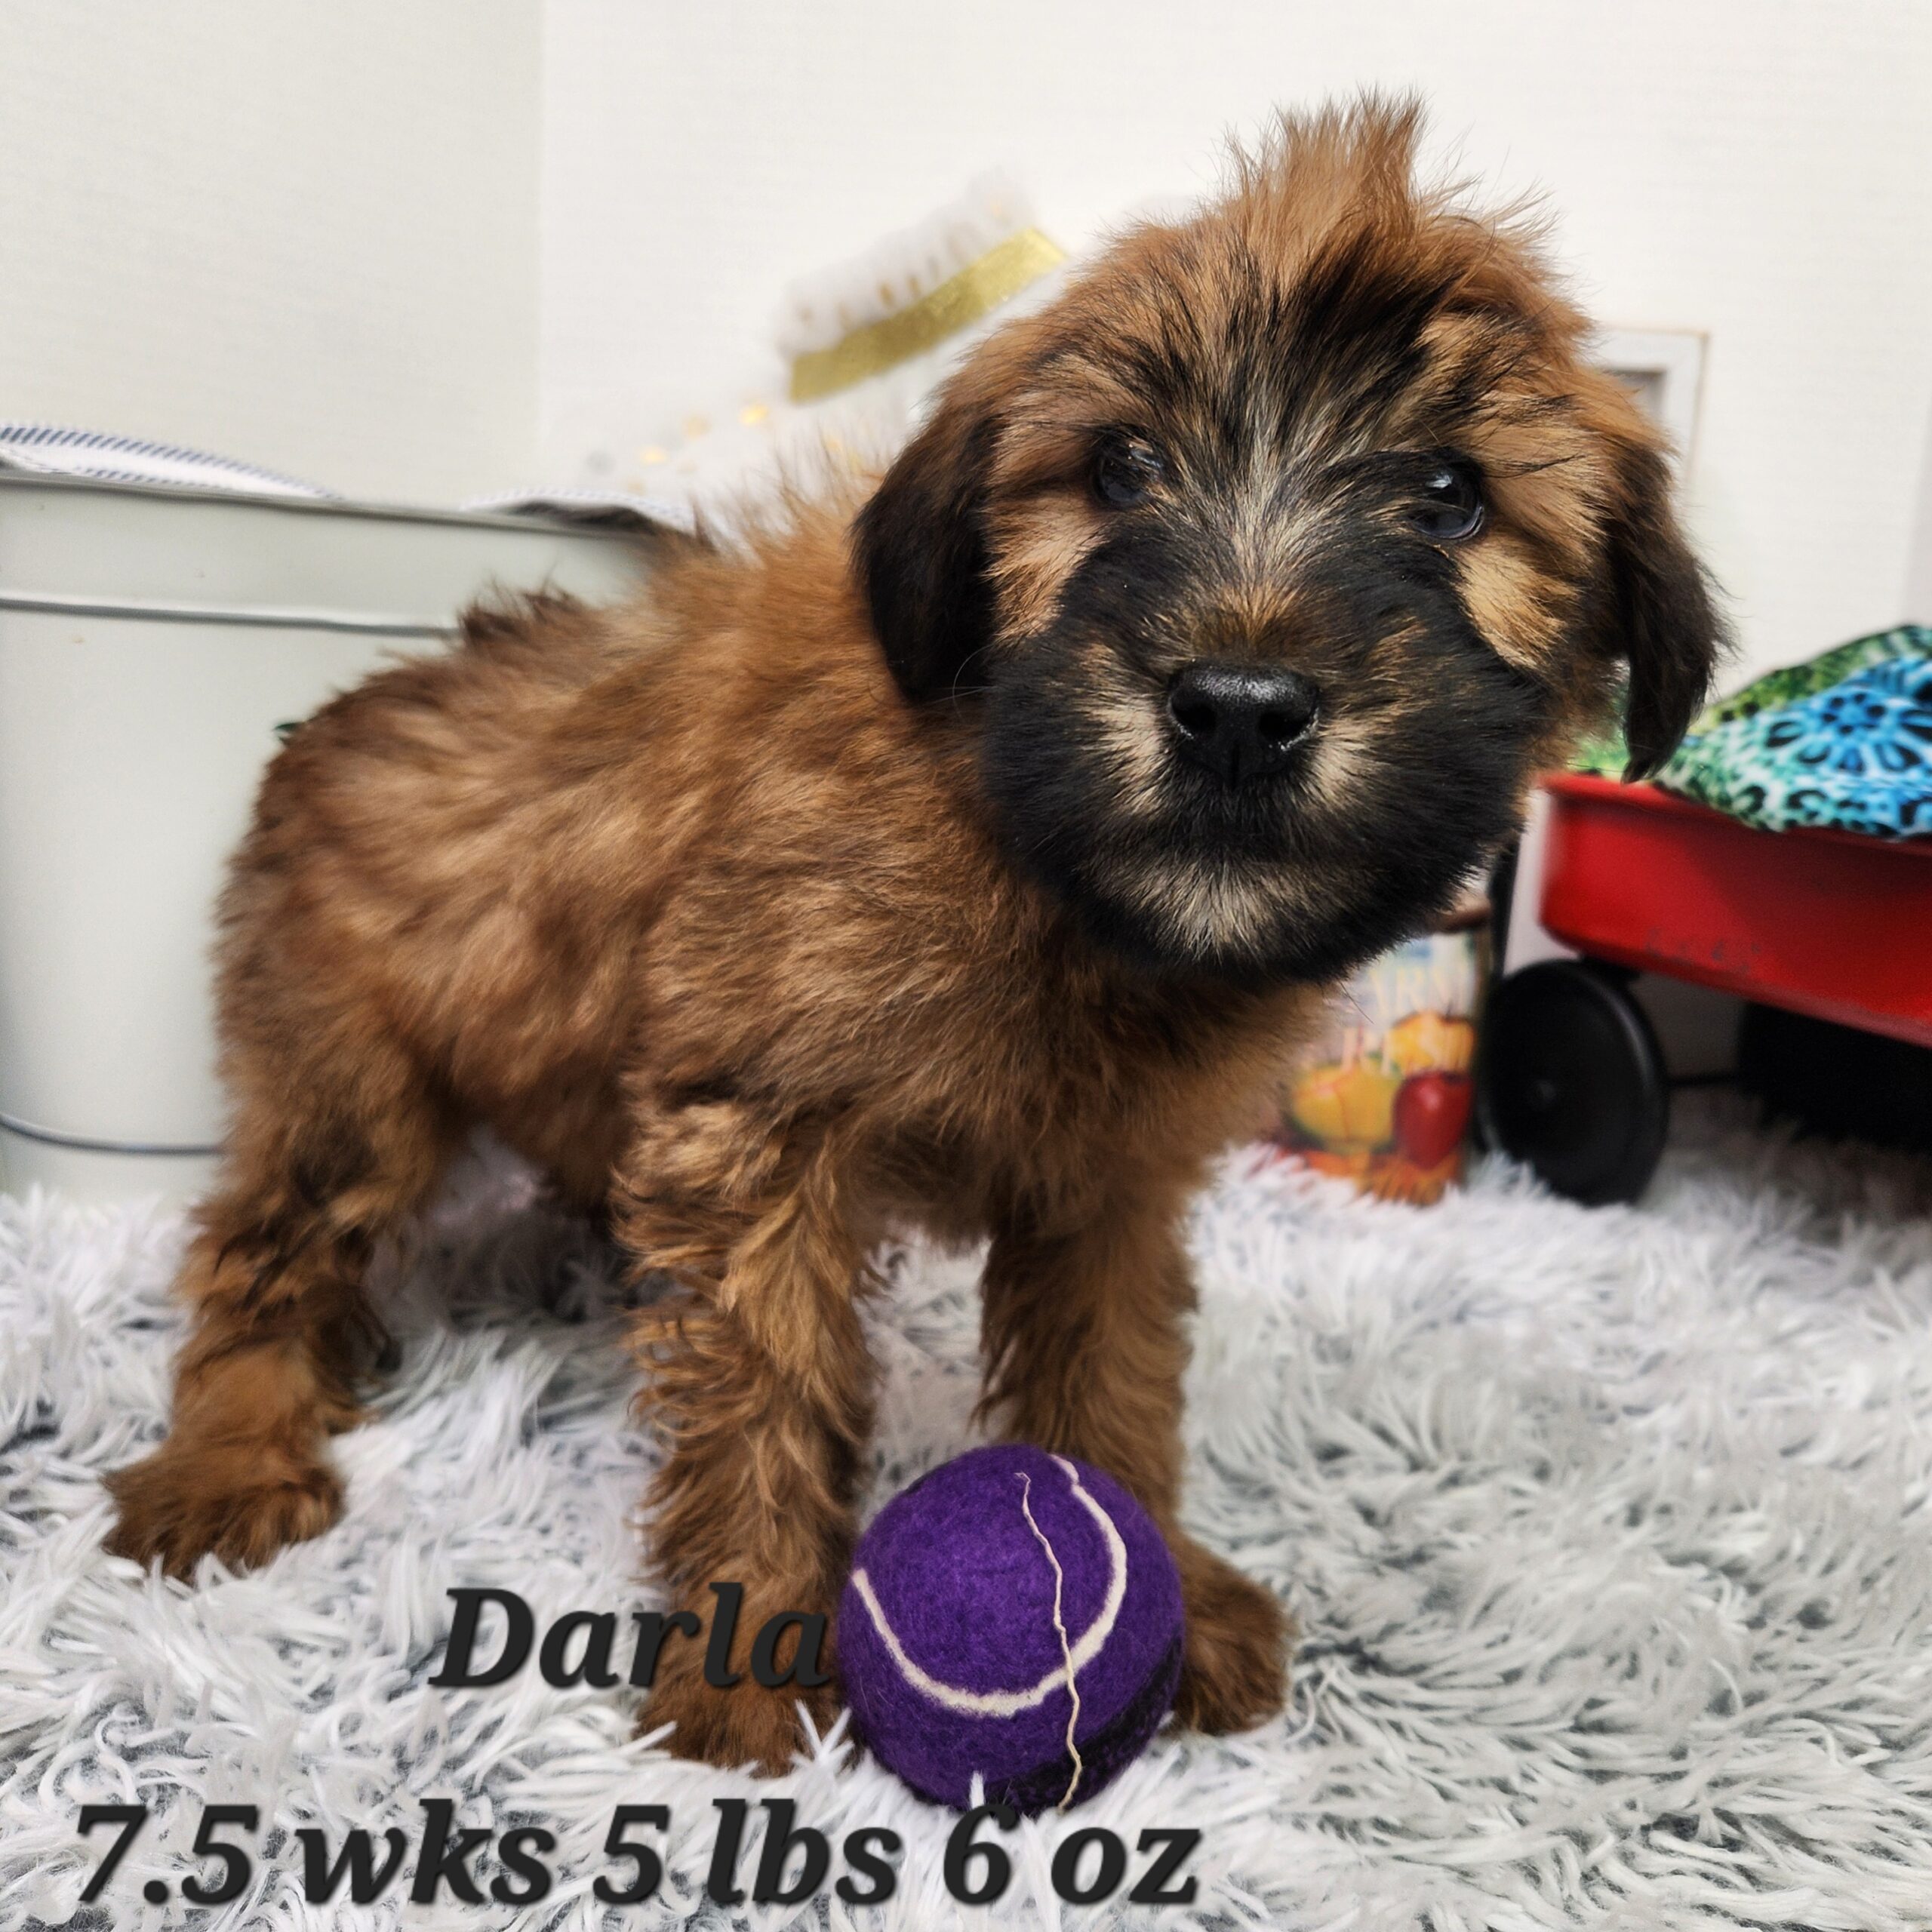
{"x": 1607, "y": 1531}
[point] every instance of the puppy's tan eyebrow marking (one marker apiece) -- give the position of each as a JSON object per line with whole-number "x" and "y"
{"x": 1039, "y": 552}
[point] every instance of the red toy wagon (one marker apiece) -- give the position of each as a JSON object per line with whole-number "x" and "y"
{"x": 1834, "y": 925}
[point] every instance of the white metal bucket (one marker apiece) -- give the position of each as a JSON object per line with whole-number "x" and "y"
{"x": 151, "y": 641}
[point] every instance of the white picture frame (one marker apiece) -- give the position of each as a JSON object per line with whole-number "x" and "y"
{"x": 1663, "y": 370}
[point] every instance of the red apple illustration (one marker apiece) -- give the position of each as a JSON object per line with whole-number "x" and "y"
{"x": 1432, "y": 1110}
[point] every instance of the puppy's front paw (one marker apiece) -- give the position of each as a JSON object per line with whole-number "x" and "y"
{"x": 1233, "y": 1668}
{"x": 242, "y": 1502}
{"x": 744, "y": 1724}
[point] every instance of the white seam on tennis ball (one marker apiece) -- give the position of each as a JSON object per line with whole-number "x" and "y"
{"x": 1010, "y": 1703}
{"x": 1060, "y": 1631}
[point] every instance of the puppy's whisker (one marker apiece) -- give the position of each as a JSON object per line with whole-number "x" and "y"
{"x": 954, "y": 693}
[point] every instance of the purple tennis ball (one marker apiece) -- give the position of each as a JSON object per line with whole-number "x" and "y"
{"x": 953, "y": 1658}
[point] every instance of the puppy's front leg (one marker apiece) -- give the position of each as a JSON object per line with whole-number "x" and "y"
{"x": 1085, "y": 1350}
{"x": 760, "y": 1383}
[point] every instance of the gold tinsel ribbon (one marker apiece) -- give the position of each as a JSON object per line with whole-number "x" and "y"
{"x": 980, "y": 287}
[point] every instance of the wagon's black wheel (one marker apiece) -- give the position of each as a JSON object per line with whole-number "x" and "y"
{"x": 1571, "y": 1081}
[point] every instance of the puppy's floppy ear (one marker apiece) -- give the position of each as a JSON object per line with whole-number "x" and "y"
{"x": 1654, "y": 606}
{"x": 920, "y": 548}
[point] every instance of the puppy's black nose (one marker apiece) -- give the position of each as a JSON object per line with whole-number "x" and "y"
{"x": 1241, "y": 722}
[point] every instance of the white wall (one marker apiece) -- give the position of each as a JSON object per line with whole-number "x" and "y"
{"x": 1918, "y": 569}
{"x": 309, "y": 233}
{"x": 303, "y": 233}
{"x": 1757, "y": 171}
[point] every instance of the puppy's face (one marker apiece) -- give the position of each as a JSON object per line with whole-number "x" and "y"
{"x": 1274, "y": 560}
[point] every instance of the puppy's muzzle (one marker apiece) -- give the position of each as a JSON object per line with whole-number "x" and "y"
{"x": 1241, "y": 722}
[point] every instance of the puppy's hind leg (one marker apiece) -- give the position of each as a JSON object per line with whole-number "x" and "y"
{"x": 273, "y": 1279}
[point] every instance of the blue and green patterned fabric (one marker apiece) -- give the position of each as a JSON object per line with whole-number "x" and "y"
{"x": 1844, "y": 741}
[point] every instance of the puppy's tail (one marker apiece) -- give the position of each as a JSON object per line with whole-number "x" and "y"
{"x": 552, "y": 624}
{"x": 511, "y": 624}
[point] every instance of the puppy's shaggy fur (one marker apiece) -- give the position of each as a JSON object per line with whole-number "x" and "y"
{"x": 965, "y": 856}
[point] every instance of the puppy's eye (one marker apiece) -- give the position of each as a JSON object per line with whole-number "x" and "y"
{"x": 1449, "y": 507}
{"x": 1126, "y": 467}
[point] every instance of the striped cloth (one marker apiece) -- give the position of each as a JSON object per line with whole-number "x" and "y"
{"x": 43, "y": 449}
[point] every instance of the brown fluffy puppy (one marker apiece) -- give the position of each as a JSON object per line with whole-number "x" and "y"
{"x": 964, "y": 859}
